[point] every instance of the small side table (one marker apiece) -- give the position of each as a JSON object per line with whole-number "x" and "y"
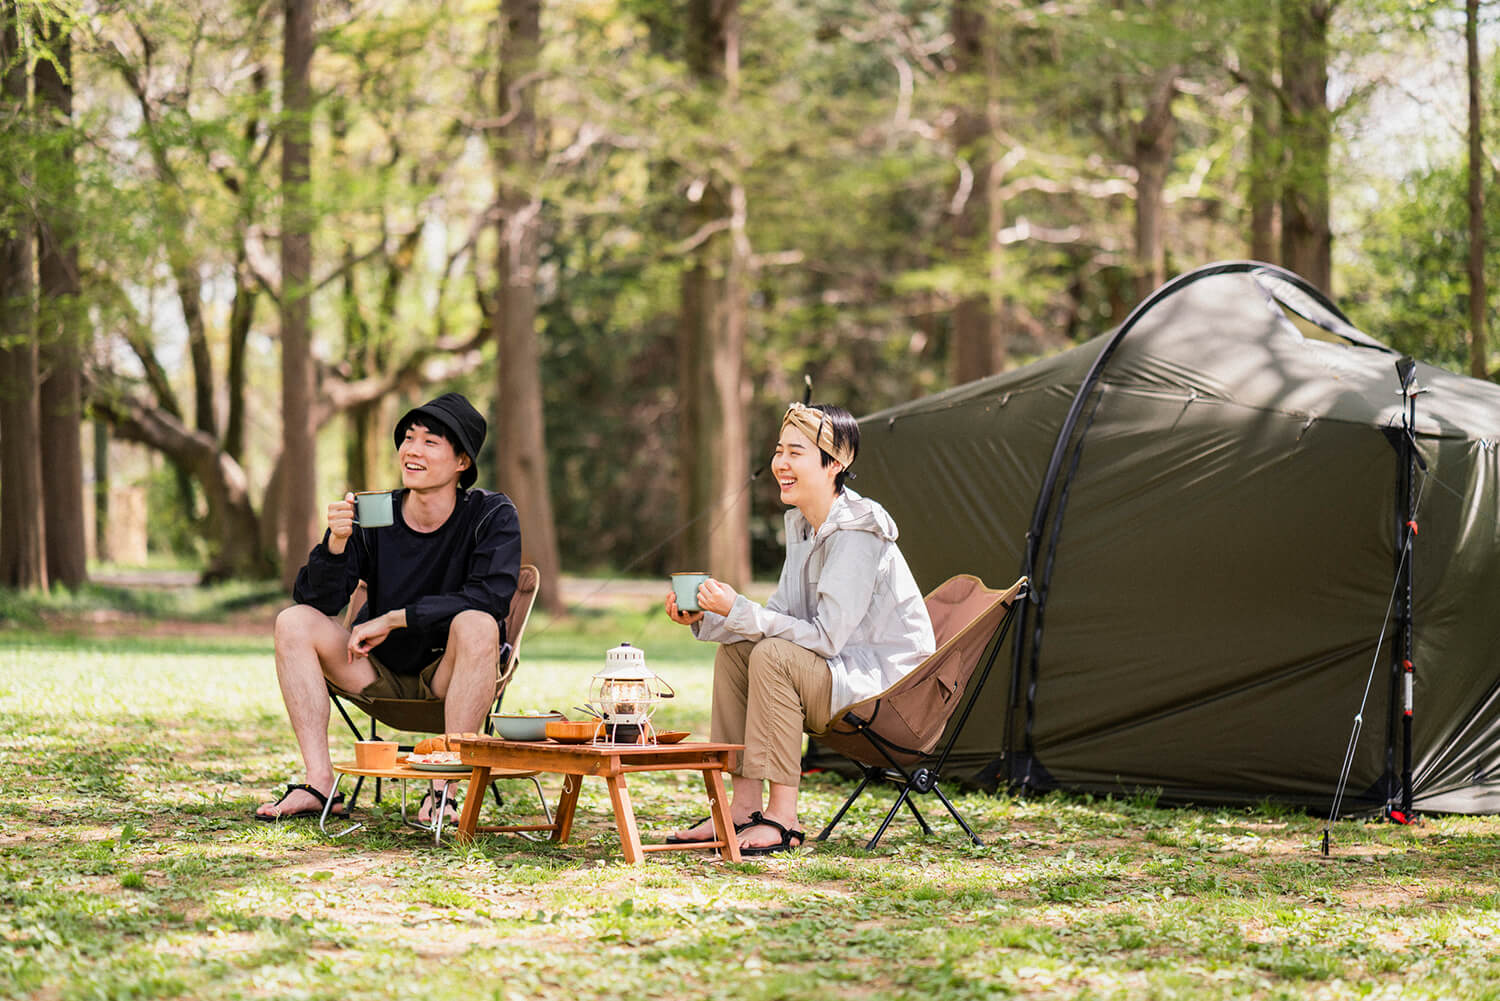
{"x": 611, "y": 762}
{"x": 404, "y": 773}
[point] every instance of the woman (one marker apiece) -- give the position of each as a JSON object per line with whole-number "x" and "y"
{"x": 845, "y": 622}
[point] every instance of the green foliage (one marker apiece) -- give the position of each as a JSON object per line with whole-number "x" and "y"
{"x": 1412, "y": 290}
{"x": 842, "y": 130}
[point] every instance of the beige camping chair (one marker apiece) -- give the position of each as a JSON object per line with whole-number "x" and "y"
{"x": 426, "y": 715}
{"x": 890, "y": 733}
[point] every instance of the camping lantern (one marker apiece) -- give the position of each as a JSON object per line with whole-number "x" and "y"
{"x": 626, "y": 693}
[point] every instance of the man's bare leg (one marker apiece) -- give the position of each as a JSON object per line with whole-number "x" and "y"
{"x": 311, "y": 647}
{"x": 465, "y": 680}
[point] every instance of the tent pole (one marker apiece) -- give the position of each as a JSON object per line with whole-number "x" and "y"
{"x": 1410, "y": 526}
{"x": 1405, "y": 554}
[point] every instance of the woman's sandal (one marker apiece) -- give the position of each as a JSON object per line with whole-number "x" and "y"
{"x": 673, "y": 839}
{"x": 784, "y": 845}
{"x": 453, "y": 804}
{"x": 317, "y": 811}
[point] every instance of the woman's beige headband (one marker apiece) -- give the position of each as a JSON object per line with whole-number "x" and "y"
{"x": 819, "y": 430}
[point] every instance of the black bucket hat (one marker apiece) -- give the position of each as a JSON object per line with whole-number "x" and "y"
{"x": 454, "y": 412}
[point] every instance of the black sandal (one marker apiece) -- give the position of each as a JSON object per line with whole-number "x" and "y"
{"x": 338, "y": 801}
{"x": 784, "y": 845}
{"x": 435, "y": 796}
{"x": 673, "y": 839}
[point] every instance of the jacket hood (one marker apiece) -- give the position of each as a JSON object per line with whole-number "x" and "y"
{"x": 850, "y": 512}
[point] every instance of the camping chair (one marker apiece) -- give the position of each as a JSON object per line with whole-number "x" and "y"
{"x": 889, "y": 733}
{"x": 426, "y": 715}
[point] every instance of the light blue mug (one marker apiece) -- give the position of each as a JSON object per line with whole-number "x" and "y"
{"x": 685, "y": 587}
{"x": 374, "y": 509}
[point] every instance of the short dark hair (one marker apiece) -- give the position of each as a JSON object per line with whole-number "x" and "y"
{"x": 434, "y": 425}
{"x": 845, "y": 435}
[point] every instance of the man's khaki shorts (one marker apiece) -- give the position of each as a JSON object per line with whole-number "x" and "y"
{"x": 390, "y": 685}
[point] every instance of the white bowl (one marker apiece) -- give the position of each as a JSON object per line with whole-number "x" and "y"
{"x": 523, "y": 726}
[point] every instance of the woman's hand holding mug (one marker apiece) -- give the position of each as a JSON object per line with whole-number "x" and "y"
{"x": 679, "y": 616}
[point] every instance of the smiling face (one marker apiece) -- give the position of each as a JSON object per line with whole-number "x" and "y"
{"x": 429, "y": 460}
{"x": 798, "y": 467}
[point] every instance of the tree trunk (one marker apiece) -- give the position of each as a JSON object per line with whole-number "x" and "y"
{"x": 1154, "y": 143}
{"x": 1307, "y": 136}
{"x": 357, "y": 452}
{"x": 520, "y": 438}
{"x": 241, "y": 317}
{"x": 715, "y": 454}
{"x": 1265, "y": 156}
{"x": 235, "y": 529}
{"x": 246, "y": 292}
{"x": 23, "y": 557}
{"x": 101, "y": 490}
{"x": 976, "y": 351}
{"x": 61, "y": 340}
{"x": 190, "y": 294}
{"x": 298, "y": 433}
{"x": 1478, "y": 295}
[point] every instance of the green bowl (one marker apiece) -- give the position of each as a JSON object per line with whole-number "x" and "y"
{"x": 520, "y": 726}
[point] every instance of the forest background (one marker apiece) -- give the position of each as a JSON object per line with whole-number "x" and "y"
{"x": 245, "y": 236}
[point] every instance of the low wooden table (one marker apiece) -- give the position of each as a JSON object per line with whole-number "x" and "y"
{"x": 611, "y": 762}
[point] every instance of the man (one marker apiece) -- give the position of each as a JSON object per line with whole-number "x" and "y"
{"x": 439, "y": 584}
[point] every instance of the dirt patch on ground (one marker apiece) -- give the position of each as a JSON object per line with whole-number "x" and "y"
{"x": 111, "y": 624}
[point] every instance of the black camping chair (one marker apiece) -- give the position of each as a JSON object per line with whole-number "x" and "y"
{"x": 426, "y": 715}
{"x": 891, "y": 734}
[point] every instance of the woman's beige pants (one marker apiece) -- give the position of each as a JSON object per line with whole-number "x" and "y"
{"x": 765, "y": 695}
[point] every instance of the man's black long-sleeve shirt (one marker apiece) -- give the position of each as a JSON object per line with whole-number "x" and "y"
{"x": 471, "y": 561}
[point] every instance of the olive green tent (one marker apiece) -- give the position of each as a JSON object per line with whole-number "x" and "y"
{"x": 1211, "y": 502}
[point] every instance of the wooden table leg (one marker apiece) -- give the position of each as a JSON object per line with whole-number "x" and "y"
{"x": 718, "y": 807}
{"x": 479, "y": 783}
{"x": 630, "y": 838}
{"x": 562, "y": 817}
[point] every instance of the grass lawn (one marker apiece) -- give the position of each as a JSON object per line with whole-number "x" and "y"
{"x": 129, "y": 867}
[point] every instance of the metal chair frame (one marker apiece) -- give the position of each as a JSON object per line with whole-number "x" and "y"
{"x": 922, "y": 779}
{"x": 509, "y": 659}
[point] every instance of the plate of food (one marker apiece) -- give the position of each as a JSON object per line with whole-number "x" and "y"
{"x": 437, "y": 761}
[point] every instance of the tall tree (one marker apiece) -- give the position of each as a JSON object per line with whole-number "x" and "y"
{"x": 1478, "y": 170}
{"x": 714, "y": 452}
{"x": 298, "y": 429}
{"x": 976, "y": 350}
{"x": 1152, "y": 146}
{"x": 60, "y": 322}
{"x": 520, "y": 439}
{"x": 23, "y": 557}
{"x": 1307, "y": 140}
{"x": 1258, "y": 55}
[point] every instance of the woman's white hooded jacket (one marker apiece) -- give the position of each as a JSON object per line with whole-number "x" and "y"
{"x": 846, "y": 594}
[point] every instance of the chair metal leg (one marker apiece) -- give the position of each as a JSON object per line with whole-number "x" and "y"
{"x": 546, "y": 812}
{"x": 956, "y": 816}
{"x": 870, "y": 773}
{"x": 895, "y": 809}
{"x": 926, "y": 827}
